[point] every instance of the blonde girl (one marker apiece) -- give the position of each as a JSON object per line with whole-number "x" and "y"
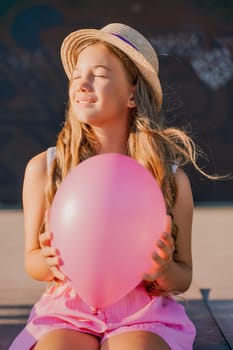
{"x": 115, "y": 100}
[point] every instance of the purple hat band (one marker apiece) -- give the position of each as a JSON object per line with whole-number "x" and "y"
{"x": 125, "y": 40}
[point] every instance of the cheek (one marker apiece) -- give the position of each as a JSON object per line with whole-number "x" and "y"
{"x": 113, "y": 90}
{"x": 70, "y": 97}
{"x": 72, "y": 89}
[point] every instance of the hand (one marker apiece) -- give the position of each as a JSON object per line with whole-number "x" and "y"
{"x": 51, "y": 254}
{"x": 163, "y": 254}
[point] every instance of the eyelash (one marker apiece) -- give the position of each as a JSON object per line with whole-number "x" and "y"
{"x": 94, "y": 75}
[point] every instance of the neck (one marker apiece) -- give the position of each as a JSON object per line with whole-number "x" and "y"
{"x": 111, "y": 141}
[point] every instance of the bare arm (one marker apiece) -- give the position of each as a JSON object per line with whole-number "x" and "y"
{"x": 176, "y": 274}
{"x": 37, "y": 260}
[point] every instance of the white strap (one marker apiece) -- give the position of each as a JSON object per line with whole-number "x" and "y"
{"x": 174, "y": 168}
{"x": 51, "y": 154}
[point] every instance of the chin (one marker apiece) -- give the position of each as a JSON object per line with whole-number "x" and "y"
{"x": 89, "y": 121}
{"x": 92, "y": 120}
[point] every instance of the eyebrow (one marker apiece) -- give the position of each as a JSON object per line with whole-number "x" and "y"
{"x": 102, "y": 66}
{"x": 95, "y": 67}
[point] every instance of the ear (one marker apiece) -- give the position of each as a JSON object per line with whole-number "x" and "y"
{"x": 131, "y": 101}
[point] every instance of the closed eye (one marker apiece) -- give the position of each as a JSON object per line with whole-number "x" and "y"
{"x": 100, "y": 76}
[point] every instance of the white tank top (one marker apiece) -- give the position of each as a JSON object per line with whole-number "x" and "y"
{"x": 51, "y": 154}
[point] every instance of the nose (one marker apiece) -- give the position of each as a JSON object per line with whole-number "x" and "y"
{"x": 84, "y": 85}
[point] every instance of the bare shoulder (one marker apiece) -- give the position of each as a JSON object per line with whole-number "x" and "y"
{"x": 35, "y": 176}
{"x": 181, "y": 178}
{"x": 184, "y": 191}
{"x": 37, "y": 165}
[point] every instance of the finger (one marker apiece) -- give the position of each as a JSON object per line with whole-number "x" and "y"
{"x": 165, "y": 250}
{"x": 45, "y": 239}
{"x": 45, "y": 236}
{"x": 53, "y": 261}
{"x": 57, "y": 273}
{"x": 168, "y": 239}
{"x": 159, "y": 264}
{"x": 48, "y": 251}
{"x": 168, "y": 226}
{"x": 159, "y": 261}
{"x": 152, "y": 275}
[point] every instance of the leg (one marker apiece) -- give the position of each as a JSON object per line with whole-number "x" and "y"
{"x": 63, "y": 339}
{"x": 137, "y": 340}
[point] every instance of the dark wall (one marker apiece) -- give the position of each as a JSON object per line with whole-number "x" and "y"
{"x": 194, "y": 40}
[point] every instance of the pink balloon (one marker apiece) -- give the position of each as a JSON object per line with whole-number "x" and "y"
{"x": 106, "y": 218}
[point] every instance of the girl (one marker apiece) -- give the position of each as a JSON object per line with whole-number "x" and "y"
{"x": 115, "y": 100}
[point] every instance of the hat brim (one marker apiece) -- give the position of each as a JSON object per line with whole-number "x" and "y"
{"x": 75, "y": 39}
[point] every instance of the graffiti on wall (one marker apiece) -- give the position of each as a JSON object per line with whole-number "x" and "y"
{"x": 33, "y": 90}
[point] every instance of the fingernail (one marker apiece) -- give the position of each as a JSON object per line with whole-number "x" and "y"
{"x": 160, "y": 244}
{"x": 61, "y": 262}
{"x": 58, "y": 251}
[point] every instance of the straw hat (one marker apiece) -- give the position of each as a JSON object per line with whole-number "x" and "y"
{"x": 125, "y": 38}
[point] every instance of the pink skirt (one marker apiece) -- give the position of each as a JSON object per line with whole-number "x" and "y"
{"x": 61, "y": 308}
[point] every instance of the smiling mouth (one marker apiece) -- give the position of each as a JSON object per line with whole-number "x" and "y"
{"x": 86, "y": 99}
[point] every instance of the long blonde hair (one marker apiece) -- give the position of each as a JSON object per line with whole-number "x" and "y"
{"x": 150, "y": 142}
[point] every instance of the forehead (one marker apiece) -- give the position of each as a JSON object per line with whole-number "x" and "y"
{"x": 97, "y": 53}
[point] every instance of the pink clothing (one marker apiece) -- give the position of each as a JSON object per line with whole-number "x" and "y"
{"x": 61, "y": 308}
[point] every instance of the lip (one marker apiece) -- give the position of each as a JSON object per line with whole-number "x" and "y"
{"x": 85, "y": 99}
